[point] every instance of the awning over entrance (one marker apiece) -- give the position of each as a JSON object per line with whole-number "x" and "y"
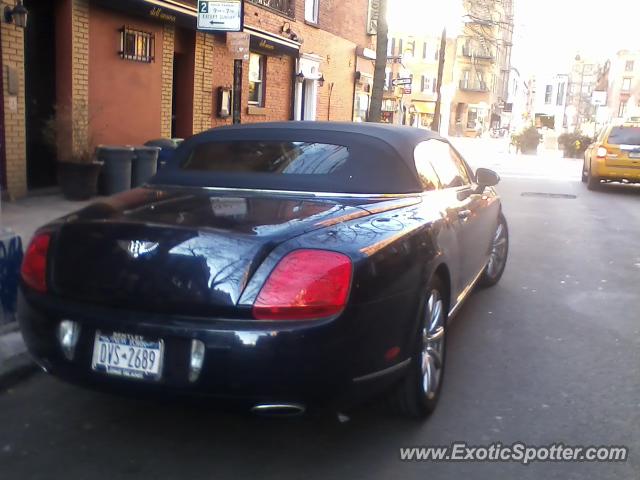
{"x": 270, "y": 44}
{"x": 162, "y": 10}
{"x": 428, "y": 108}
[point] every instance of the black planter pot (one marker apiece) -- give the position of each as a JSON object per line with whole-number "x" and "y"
{"x": 79, "y": 181}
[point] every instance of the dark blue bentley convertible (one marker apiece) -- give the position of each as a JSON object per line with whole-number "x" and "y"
{"x": 278, "y": 266}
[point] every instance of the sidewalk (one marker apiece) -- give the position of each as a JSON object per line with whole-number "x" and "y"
{"x": 24, "y": 217}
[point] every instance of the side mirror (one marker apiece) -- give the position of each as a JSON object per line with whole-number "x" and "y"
{"x": 486, "y": 177}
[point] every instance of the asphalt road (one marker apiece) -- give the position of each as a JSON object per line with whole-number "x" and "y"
{"x": 551, "y": 354}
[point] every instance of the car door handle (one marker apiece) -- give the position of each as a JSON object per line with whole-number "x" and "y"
{"x": 464, "y": 214}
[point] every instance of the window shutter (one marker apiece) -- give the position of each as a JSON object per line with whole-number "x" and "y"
{"x": 422, "y": 83}
{"x": 424, "y": 50}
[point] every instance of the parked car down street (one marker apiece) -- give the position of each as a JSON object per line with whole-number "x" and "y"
{"x": 281, "y": 266}
{"x": 614, "y": 156}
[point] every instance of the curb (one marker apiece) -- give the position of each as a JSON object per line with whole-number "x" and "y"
{"x": 16, "y": 369}
{"x": 15, "y": 361}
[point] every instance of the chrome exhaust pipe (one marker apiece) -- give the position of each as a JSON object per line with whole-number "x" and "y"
{"x": 278, "y": 409}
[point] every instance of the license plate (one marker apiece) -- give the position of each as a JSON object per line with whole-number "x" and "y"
{"x": 127, "y": 355}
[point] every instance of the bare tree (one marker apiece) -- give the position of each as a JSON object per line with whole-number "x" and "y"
{"x": 375, "y": 106}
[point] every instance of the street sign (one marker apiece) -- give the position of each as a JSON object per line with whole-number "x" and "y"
{"x": 238, "y": 45}
{"x": 401, "y": 81}
{"x": 220, "y": 15}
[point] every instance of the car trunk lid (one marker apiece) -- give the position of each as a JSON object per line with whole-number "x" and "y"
{"x": 181, "y": 250}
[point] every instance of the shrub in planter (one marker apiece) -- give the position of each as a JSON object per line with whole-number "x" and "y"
{"x": 78, "y": 169}
{"x": 574, "y": 144}
{"x": 527, "y": 140}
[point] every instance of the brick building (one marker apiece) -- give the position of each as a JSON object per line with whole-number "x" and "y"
{"x": 127, "y": 71}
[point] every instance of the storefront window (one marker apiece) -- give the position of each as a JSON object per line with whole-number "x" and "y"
{"x": 257, "y": 65}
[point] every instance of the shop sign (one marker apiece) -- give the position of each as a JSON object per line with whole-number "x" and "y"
{"x": 271, "y": 47}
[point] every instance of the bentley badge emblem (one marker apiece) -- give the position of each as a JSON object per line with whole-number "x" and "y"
{"x": 137, "y": 248}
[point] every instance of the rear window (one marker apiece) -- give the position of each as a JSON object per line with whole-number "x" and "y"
{"x": 313, "y": 162}
{"x": 274, "y": 158}
{"x": 624, "y": 136}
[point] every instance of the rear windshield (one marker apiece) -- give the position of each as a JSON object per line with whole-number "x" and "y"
{"x": 624, "y": 136}
{"x": 312, "y": 163}
{"x": 275, "y": 158}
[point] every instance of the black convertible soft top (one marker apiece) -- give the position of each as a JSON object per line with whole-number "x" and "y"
{"x": 380, "y": 157}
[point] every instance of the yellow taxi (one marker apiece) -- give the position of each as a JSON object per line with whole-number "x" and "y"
{"x": 614, "y": 156}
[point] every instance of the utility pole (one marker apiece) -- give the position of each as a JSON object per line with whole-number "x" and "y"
{"x": 435, "y": 125}
{"x": 375, "y": 105}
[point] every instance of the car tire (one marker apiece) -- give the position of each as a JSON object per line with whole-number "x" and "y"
{"x": 417, "y": 394}
{"x": 593, "y": 183}
{"x": 498, "y": 255}
{"x": 584, "y": 172}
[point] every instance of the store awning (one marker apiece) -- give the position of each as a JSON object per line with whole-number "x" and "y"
{"x": 166, "y": 11}
{"x": 428, "y": 108}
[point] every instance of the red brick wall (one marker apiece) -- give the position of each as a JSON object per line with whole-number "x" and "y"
{"x": 278, "y": 91}
{"x": 124, "y": 96}
{"x": 343, "y": 18}
{"x": 222, "y": 76}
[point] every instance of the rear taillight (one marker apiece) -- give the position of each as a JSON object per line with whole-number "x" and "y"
{"x": 305, "y": 284}
{"x": 601, "y": 152}
{"x": 34, "y": 265}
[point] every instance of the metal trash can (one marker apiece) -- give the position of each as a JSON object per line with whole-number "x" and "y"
{"x": 116, "y": 173}
{"x": 145, "y": 164}
{"x": 10, "y": 261}
{"x": 167, "y": 146}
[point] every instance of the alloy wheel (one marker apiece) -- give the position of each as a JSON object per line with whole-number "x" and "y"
{"x": 433, "y": 344}
{"x": 498, "y": 254}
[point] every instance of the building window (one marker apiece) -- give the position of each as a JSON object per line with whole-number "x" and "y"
{"x": 388, "y": 81}
{"x": 424, "y": 50}
{"x": 311, "y": 8}
{"x": 626, "y": 84}
{"x": 400, "y": 51}
{"x": 434, "y": 85}
{"x": 628, "y": 67}
{"x": 137, "y": 45}
{"x": 472, "y": 118}
{"x": 257, "y": 64}
{"x": 560, "y": 98}
{"x": 425, "y": 84}
{"x": 622, "y": 109}
{"x": 547, "y": 94}
{"x": 391, "y": 47}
